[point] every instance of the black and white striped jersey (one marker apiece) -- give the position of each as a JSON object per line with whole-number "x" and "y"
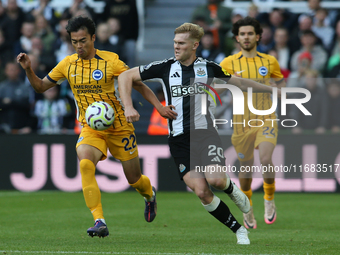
{"x": 183, "y": 87}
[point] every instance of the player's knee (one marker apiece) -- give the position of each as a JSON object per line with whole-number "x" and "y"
{"x": 266, "y": 160}
{"x": 87, "y": 167}
{"x": 217, "y": 183}
{"x": 203, "y": 194}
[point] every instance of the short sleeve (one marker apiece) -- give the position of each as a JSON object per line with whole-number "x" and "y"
{"x": 221, "y": 73}
{"x": 152, "y": 70}
{"x": 276, "y": 69}
{"x": 58, "y": 72}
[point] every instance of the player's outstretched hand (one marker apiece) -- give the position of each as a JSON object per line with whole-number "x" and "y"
{"x": 167, "y": 112}
{"x": 24, "y": 61}
{"x": 131, "y": 114}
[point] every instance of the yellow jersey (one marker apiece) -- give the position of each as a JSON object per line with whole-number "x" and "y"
{"x": 260, "y": 68}
{"x": 93, "y": 80}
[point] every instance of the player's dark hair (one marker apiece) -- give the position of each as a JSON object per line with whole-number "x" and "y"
{"x": 80, "y": 22}
{"x": 247, "y": 21}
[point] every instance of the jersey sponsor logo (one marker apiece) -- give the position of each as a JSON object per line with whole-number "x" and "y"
{"x": 97, "y": 75}
{"x": 183, "y": 91}
{"x": 263, "y": 71}
{"x": 201, "y": 72}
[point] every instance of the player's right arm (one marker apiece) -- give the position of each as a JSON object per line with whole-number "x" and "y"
{"x": 39, "y": 85}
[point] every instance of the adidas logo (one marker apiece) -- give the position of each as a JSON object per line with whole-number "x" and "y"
{"x": 175, "y": 75}
{"x": 216, "y": 159}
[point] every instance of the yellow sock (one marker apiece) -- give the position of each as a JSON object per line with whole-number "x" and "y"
{"x": 90, "y": 188}
{"x": 249, "y": 194}
{"x": 269, "y": 190}
{"x": 143, "y": 186}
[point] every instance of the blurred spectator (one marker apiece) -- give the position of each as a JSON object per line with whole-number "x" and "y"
{"x": 217, "y": 19}
{"x": 51, "y": 111}
{"x": 333, "y": 91}
{"x": 24, "y": 44}
{"x": 305, "y": 24}
{"x": 115, "y": 37}
{"x": 315, "y": 5}
{"x": 333, "y": 97}
{"x": 298, "y": 77}
{"x": 278, "y": 18}
{"x": 285, "y": 71}
{"x": 14, "y": 102}
{"x": 335, "y": 49}
{"x": 318, "y": 106}
{"x": 44, "y": 8}
{"x": 102, "y": 41}
{"x": 253, "y": 11}
{"x": 207, "y": 50}
{"x": 78, "y": 5}
{"x": 126, "y": 12}
{"x": 63, "y": 46}
{"x": 284, "y": 52}
{"x": 308, "y": 40}
{"x": 12, "y": 22}
{"x": 321, "y": 30}
{"x": 45, "y": 32}
{"x": 230, "y": 45}
{"x": 6, "y": 52}
{"x": 46, "y": 58}
{"x": 158, "y": 125}
{"x": 267, "y": 41}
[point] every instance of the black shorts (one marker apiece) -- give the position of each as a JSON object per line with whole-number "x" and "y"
{"x": 197, "y": 148}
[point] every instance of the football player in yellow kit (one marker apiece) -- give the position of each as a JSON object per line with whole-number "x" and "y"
{"x": 92, "y": 75}
{"x": 251, "y": 64}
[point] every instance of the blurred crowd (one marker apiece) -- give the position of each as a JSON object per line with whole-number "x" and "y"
{"x": 307, "y": 46}
{"x": 40, "y": 32}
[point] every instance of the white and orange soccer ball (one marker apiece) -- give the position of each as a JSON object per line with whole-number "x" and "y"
{"x": 99, "y": 115}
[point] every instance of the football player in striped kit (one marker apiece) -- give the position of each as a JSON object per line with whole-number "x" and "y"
{"x": 193, "y": 140}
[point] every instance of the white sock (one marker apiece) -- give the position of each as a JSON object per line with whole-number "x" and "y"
{"x": 213, "y": 205}
{"x": 102, "y": 220}
{"x": 150, "y": 199}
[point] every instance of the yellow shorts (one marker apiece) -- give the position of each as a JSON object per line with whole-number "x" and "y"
{"x": 120, "y": 141}
{"x": 246, "y": 143}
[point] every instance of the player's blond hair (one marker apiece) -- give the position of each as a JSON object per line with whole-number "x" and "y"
{"x": 195, "y": 31}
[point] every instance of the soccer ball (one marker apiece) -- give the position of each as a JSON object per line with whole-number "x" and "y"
{"x": 99, "y": 116}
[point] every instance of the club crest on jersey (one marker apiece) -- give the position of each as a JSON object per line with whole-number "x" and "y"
{"x": 201, "y": 72}
{"x": 97, "y": 74}
{"x": 263, "y": 71}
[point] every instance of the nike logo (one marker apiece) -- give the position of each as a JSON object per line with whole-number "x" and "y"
{"x": 239, "y": 72}
{"x": 93, "y": 210}
{"x": 72, "y": 75}
{"x": 131, "y": 152}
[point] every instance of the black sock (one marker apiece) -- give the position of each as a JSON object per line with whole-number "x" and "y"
{"x": 223, "y": 214}
{"x": 230, "y": 189}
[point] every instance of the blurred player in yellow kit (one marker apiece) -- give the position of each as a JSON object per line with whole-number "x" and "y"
{"x": 249, "y": 63}
{"x": 92, "y": 75}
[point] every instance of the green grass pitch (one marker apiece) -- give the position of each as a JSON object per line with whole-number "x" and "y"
{"x": 56, "y": 223}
